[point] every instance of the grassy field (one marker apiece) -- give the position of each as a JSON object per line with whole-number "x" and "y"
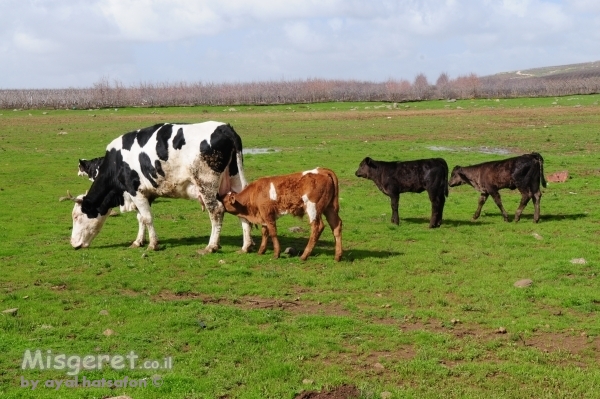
{"x": 409, "y": 312}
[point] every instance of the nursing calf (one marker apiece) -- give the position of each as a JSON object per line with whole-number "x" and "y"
{"x": 393, "y": 178}
{"x": 523, "y": 173}
{"x": 314, "y": 192}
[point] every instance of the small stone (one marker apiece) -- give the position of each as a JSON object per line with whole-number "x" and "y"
{"x": 583, "y": 334}
{"x": 537, "y": 236}
{"x": 222, "y": 261}
{"x": 103, "y": 312}
{"x": 578, "y": 261}
{"x": 379, "y": 366}
{"x": 297, "y": 299}
{"x": 523, "y": 283}
{"x": 11, "y": 312}
{"x": 46, "y": 327}
{"x": 455, "y": 321}
{"x": 386, "y": 395}
{"x": 386, "y": 306}
{"x": 306, "y": 381}
{"x": 144, "y": 255}
{"x": 291, "y": 251}
{"x": 296, "y": 229}
{"x": 108, "y": 332}
{"x": 26, "y": 296}
{"x": 501, "y": 330}
{"x": 201, "y": 324}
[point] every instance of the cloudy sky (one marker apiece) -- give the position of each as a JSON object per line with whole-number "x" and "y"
{"x": 74, "y": 43}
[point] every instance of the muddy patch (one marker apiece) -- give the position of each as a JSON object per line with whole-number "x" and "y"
{"x": 255, "y": 151}
{"x": 481, "y": 149}
{"x": 341, "y": 392}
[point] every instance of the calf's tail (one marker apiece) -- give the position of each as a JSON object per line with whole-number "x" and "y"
{"x": 541, "y": 161}
{"x": 334, "y": 180}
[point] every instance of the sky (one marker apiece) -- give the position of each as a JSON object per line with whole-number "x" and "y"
{"x": 76, "y": 43}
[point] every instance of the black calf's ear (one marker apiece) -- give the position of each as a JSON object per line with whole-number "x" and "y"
{"x": 369, "y": 161}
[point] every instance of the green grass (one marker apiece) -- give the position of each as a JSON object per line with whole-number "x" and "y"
{"x": 248, "y": 326}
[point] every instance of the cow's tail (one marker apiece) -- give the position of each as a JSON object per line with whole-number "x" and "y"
{"x": 541, "y": 161}
{"x": 238, "y": 160}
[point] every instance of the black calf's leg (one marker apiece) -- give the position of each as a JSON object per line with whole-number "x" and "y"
{"x": 525, "y": 197}
{"x": 498, "y": 201}
{"x": 482, "y": 199}
{"x": 395, "y": 198}
{"x": 537, "y": 198}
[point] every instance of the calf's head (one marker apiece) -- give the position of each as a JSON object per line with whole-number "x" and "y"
{"x": 230, "y": 203}
{"x": 457, "y": 177}
{"x": 365, "y": 168}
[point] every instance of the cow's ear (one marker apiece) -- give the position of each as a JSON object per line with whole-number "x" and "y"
{"x": 369, "y": 162}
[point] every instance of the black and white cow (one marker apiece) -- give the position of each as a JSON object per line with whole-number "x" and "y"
{"x": 194, "y": 161}
{"x": 89, "y": 168}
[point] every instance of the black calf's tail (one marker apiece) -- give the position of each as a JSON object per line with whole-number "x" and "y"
{"x": 541, "y": 160}
{"x": 445, "y": 182}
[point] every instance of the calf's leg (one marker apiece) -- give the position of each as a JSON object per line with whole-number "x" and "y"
{"x": 316, "y": 228}
{"x": 537, "y": 197}
{"x": 336, "y": 227}
{"x": 395, "y": 199}
{"x": 482, "y": 198}
{"x": 496, "y": 196}
{"x": 525, "y": 197}
{"x": 264, "y": 241}
{"x": 272, "y": 228}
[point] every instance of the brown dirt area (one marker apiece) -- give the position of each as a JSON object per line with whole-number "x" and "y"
{"x": 341, "y": 392}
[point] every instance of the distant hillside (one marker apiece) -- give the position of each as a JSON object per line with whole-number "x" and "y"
{"x": 584, "y": 70}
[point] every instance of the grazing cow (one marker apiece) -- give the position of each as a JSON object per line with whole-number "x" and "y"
{"x": 393, "y": 178}
{"x": 314, "y": 192}
{"x": 89, "y": 168}
{"x": 523, "y": 173}
{"x": 195, "y": 161}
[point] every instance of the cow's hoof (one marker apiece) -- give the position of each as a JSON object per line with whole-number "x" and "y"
{"x": 136, "y": 244}
{"x": 208, "y": 250}
{"x": 153, "y": 247}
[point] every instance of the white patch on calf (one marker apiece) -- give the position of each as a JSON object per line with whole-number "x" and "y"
{"x": 272, "y": 192}
{"x": 311, "y": 208}
{"x": 314, "y": 171}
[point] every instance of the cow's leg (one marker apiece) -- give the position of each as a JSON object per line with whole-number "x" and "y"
{"x": 525, "y": 197}
{"x": 336, "y": 227}
{"x": 316, "y": 228}
{"x": 139, "y": 241}
{"x": 237, "y": 184}
{"x": 272, "y": 228}
{"x": 208, "y": 188}
{"x": 482, "y": 198}
{"x": 264, "y": 241}
{"x": 537, "y": 197}
{"x": 395, "y": 199}
{"x": 145, "y": 219}
{"x": 496, "y": 196}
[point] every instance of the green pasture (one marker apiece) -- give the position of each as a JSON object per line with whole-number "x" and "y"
{"x": 409, "y": 312}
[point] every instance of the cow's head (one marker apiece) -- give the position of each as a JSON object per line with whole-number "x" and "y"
{"x": 365, "y": 168}
{"x": 85, "y": 228}
{"x": 457, "y": 177}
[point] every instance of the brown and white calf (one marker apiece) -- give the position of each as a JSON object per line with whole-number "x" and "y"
{"x": 313, "y": 192}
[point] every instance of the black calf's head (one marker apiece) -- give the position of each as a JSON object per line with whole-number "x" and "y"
{"x": 456, "y": 177}
{"x": 365, "y": 168}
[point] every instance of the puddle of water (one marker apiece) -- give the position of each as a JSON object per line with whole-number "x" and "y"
{"x": 258, "y": 150}
{"x": 483, "y": 149}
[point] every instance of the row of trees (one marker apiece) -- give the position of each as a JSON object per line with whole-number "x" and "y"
{"x": 114, "y": 94}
